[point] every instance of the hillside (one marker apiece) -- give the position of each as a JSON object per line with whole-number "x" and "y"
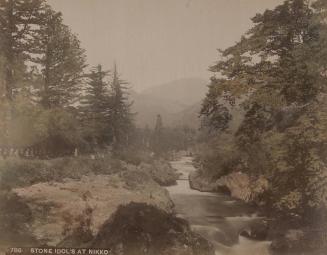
{"x": 185, "y": 91}
{"x": 188, "y": 117}
{"x": 171, "y": 100}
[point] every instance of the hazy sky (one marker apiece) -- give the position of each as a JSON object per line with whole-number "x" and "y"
{"x": 156, "y": 41}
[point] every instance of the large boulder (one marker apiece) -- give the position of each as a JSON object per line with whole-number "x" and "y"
{"x": 242, "y": 186}
{"x": 257, "y": 230}
{"x": 237, "y": 184}
{"x": 139, "y": 229}
{"x": 161, "y": 172}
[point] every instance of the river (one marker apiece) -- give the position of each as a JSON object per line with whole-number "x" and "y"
{"x": 216, "y": 217}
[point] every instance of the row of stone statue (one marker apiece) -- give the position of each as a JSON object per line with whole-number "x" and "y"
{"x": 34, "y": 153}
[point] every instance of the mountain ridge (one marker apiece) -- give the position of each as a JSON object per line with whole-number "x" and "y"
{"x": 176, "y": 101}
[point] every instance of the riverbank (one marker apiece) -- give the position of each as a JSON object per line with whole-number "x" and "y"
{"x": 69, "y": 202}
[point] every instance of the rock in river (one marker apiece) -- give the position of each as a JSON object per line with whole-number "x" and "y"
{"x": 237, "y": 184}
{"x": 139, "y": 229}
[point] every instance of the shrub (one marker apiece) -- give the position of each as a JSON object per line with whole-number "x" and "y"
{"x": 218, "y": 158}
{"x": 134, "y": 157}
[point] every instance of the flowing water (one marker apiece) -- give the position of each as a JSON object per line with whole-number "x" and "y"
{"x": 217, "y": 217}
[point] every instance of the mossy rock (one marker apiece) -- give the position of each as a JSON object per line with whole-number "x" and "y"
{"x": 138, "y": 228}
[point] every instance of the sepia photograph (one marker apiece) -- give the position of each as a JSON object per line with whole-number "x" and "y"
{"x": 163, "y": 127}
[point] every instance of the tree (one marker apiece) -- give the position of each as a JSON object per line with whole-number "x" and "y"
{"x": 39, "y": 52}
{"x": 272, "y": 65}
{"x": 121, "y": 117}
{"x": 96, "y": 107}
{"x": 18, "y": 19}
{"x": 62, "y": 61}
{"x": 215, "y": 115}
{"x": 158, "y": 143}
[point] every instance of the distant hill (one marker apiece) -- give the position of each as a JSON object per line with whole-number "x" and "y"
{"x": 184, "y": 91}
{"x": 178, "y": 102}
{"x": 188, "y": 117}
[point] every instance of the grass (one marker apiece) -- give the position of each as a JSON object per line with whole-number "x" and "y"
{"x": 21, "y": 172}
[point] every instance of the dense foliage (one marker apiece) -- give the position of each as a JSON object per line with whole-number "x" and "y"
{"x": 50, "y": 104}
{"x": 277, "y": 74}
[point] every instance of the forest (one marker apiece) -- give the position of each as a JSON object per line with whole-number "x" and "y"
{"x": 53, "y": 104}
{"x": 264, "y": 116}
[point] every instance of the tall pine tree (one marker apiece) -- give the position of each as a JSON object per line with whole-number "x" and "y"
{"x": 18, "y": 22}
{"x": 121, "y": 116}
{"x": 19, "y": 19}
{"x": 62, "y": 62}
{"x": 96, "y": 107}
